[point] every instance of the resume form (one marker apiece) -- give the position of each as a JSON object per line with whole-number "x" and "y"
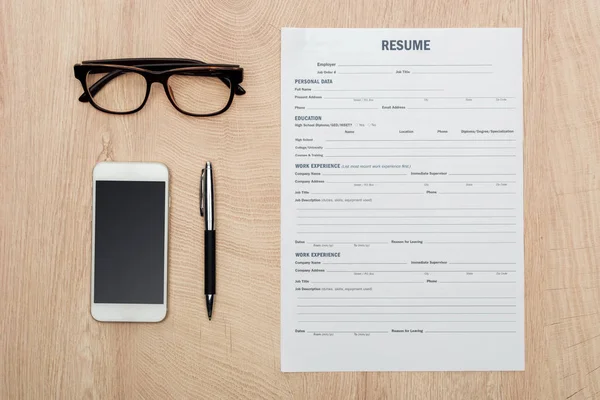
{"x": 402, "y": 200}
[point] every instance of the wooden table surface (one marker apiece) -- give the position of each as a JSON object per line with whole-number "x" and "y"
{"x": 51, "y": 348}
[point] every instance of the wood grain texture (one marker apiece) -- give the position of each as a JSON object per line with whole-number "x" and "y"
{"x": 51, "y": 348}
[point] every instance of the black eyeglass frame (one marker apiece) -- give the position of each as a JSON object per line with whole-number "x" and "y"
{"x": 157, "y": 70}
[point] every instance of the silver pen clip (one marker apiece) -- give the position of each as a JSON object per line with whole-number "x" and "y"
{"x": 202, "y": 186}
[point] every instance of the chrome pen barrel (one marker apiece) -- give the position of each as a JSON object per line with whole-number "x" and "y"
{"x": 208, "y": 198}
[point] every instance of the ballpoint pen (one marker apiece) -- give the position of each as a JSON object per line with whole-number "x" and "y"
{"x": 207, "y": 210}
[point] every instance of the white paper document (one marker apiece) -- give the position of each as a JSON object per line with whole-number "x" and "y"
{"x": 402, "y": 200}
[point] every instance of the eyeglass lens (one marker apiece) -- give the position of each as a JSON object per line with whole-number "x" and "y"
{"x": 198, "y": 94}
{"x": 124, "y": 91}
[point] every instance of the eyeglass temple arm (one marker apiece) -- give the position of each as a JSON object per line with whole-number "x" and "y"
{"x": 96, "y": 87}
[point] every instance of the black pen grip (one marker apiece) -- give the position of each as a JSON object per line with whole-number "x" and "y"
{"x": 210, "y": 278}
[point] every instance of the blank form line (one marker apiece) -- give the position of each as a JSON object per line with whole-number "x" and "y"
{"x": 414, "y": 297}
{"x": 420, "y": 140}
{"x": 404, "y": 216}
{"x": 484, "y": 263}
{"x": 424, "y": 270}
{"x": 365, "y": 263}
{"x": 408, "y": 305}
{"x": 366, "y": 73}
{"x": 346, "y": 331}
{"x": 421, "y": 182}
{"x": 389, "y": 193}
{"x": 494, "y": 193}
{"x": 438, "y": 232}
{"x": 470, "y": 331}
{"x": 461, "y": 108}
{"x": 361, "y": 282}
{"x": 347, "y": 242}
{"x": 400, "y": 209}
{"x": 450, "y": 72}
{"x": 483, "y": 174}
{"x": 364, "y": 174}
{"x": 362, "y": 193}
{"x": 342, "y": 108}
{"x": 403, "y": 313}
{"x": 408, "y": 321}
{"x": 421, "y": 156}
{"x": 452, "y": 282}
{"x": 419, "y": 148}
{"x": 377, "y": 224}
{"x": 415, "y": 65}
{"x": 413, "y": 97}
{"x": 471, "y": 242}
{"x": 407, "y": 193}
{"x": 377, "y": 90}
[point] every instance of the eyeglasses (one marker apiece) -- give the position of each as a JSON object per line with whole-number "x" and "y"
{"x": 193, "y": 87}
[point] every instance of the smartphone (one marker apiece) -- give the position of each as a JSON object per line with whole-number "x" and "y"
{"x": 130, "y": 241}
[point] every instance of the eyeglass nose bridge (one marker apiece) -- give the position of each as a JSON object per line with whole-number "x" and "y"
{"x": 156, "y": 78}
{"x": 151, "y": 80}
{"x": 153, "y": 77}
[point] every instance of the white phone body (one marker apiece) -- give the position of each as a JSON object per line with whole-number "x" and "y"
{"x": 119, "y": 173}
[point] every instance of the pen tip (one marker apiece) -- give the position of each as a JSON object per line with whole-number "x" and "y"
{"x": 209, "y": 305}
